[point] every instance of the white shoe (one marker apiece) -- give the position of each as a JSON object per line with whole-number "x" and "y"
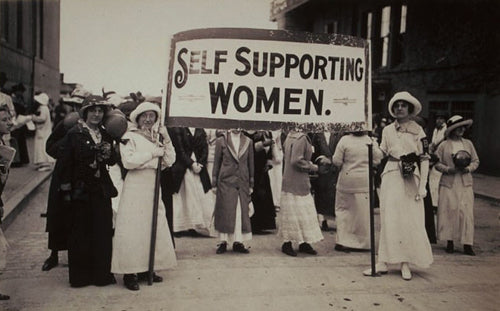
{"x": 405, "y": 271}
{"x": 380, "y": 267}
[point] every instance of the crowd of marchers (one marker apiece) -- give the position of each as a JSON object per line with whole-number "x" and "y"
{"x": 112, "y": 157}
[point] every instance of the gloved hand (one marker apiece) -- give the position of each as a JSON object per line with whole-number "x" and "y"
{"x": 158, "y": 152}
{"x": 314, "y": 168}
{"x": 267, "y": 142}
{"x": 196, "y": 167}
{"x": 422, "y": 192}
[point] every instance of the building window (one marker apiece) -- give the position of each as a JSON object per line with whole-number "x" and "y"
{"x": 40, "y": 29}
{"x": 331, "y": 27}
{"x": 19, "y": 14}
{"x": 402, "y": 28}
{"x": 5, "y": 20}
{"x": 384, "y": 34}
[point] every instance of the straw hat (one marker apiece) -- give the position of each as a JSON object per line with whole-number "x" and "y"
{"x": 407, "y": 97}
{"x": 455, "y": 122}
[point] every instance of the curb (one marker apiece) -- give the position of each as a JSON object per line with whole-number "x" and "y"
{"x": 487, "y": 197}
{"x": 13, "y": 205}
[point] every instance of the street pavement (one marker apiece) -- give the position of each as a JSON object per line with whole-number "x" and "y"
{"x": 265, "y": 279}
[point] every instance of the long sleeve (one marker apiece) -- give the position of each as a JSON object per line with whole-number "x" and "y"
{"x": 297, "y": 157}
{"x": 251, "y": 168}
{"x": 338, "y": 156}
{"x": 474, "y": 164}
{"x": 54, "y": 144}
{"x": 132, "y": 158}
{"x": 67, "y": 163}
{"x": 169, "y": 157}
{"x": 217, "y": 161}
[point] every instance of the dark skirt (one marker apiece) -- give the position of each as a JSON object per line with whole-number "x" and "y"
{"x": 58, "y": 214}
{"x": 324, "y": 188}
{"x": 264, "y": 217}
{"x": 90, "y": 242}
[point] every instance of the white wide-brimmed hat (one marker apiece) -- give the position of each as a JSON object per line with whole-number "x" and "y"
{"x": 407, "y": 97}
{"x": 143, "y": 107}
{"x": 42, "y": 99}
{"x": 455, "y": 122}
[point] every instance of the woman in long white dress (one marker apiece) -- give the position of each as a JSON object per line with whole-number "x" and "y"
{"x": 352, "y": 204}
{"x": 131, "y": 242}
{"x": 403, "y": 239}
{"x": 456, "y": 196}
{"x": 43, "y": 126}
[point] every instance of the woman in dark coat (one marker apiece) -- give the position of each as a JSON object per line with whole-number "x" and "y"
{"x": 57, "y": 214}
{"x": 324, "y": 185}
{"x": 87, "y": 191}
{"x": 192, "y": 207}
{"x": 262, "y": 196}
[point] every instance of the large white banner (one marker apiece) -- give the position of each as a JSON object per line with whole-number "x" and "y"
{"x": 268, "y": 79}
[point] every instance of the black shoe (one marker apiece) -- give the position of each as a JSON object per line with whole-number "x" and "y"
{"x": 261, "y": 232}
{"x": 449, "y": 247}
{"x": 240, "y": 248}
{"x": 324, "y": 226}
{"x": 307, "y": 248}
{"x": 143, "y": 276}
{"x": 106, "y": 281}
{"x": 50, "y": 263}
{"x": 468, "y": 250}
{"x": 341, "y": 248}
{"x": 130, "y": 281}
{"x": 221, "y": 248}
{"x": 4, "y": 297}
{"x": 287, "y": 249}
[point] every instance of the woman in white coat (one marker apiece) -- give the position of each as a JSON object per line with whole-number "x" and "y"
{"x": 140, "y": 151}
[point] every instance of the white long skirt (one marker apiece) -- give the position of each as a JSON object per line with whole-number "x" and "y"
{"x": 193, "y": 208}
{"x": 456, "y": 213}
{"x": 297, "y": 220}
{"x": 352, "y": 212}
{"x": 402, "y": 236}
{"x": 132, "y": 239}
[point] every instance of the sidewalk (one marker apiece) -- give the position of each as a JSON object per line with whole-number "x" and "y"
{"x": 24, "y": 180}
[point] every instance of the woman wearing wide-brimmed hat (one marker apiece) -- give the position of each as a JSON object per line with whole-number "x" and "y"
{"x": 87, "y": 190}
{"x": 457, "y": 160}
{"x": 403, "y": 239}
{"x": 140, "y": 150}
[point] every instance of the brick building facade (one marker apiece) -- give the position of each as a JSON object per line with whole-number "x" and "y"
{"x": 29, "y": 45}
{"x": 444, "y": 52}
